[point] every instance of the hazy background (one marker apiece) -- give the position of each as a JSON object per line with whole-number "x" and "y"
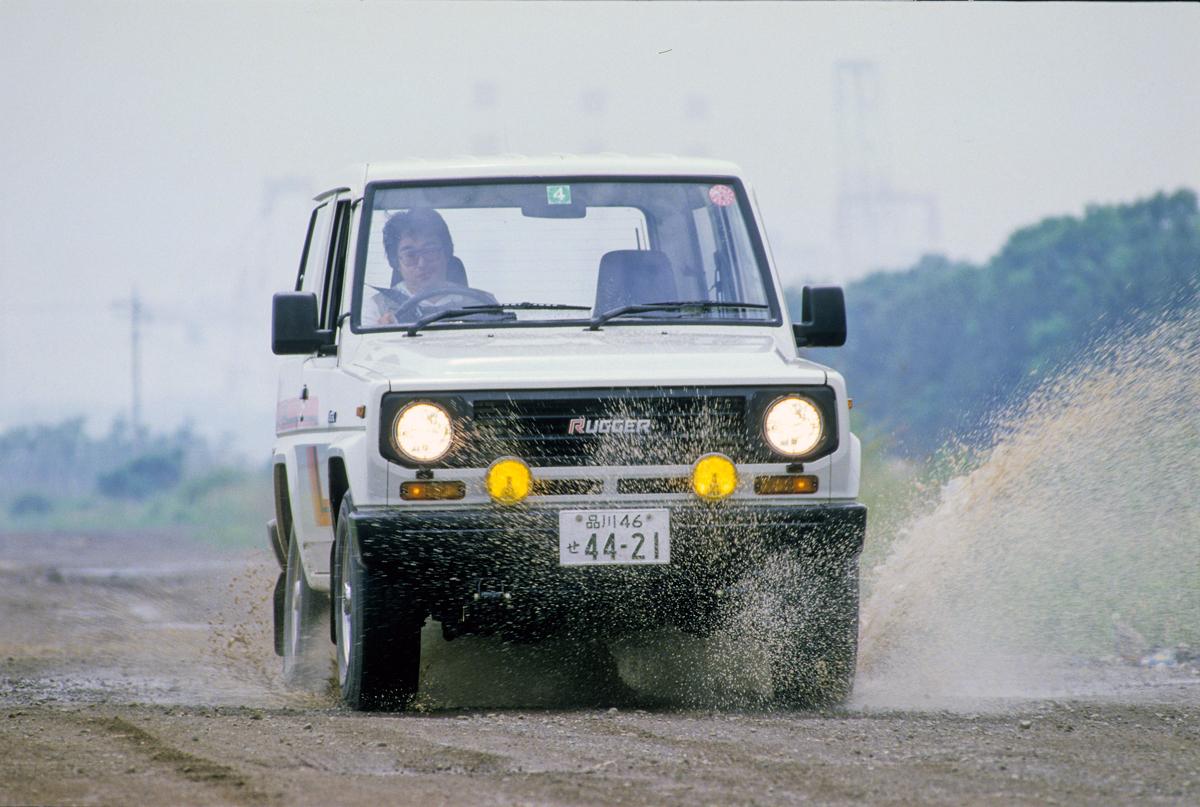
{"x": 171, "y": 148}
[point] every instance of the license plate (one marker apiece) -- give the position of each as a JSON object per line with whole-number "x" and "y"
{"x": 614, "y": 537}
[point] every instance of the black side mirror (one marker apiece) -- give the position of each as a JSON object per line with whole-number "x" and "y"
{"x": 294, "y": 324}
{"x": 822, "y": 317}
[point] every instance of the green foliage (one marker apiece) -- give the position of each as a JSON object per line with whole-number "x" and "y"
{"x": 30, "y": 504}
{"x": 226, "y": 507}
{"x": 142, "y": 476}
{"x": 935, "y": 349}
{"x": 56, "y": 477}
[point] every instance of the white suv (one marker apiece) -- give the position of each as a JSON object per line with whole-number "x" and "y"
{"x": 554, "y": 397}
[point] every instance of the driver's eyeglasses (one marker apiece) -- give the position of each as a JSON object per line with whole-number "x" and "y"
{"x": 413, "y": 256}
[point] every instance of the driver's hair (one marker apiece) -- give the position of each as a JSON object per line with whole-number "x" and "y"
{"x": 411, "y": 223}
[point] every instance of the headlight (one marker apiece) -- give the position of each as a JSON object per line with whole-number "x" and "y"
{"x": 423, "y": 431}
{"x": 792, "y": 426}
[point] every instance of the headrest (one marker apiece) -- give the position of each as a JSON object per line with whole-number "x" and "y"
{"x": 634, "y": 277}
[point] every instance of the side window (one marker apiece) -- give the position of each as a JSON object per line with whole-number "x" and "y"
{"x": 331, "y": 295}
{"x": 312, "y": 261}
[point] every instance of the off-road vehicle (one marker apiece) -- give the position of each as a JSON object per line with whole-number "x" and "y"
{"x": 553, "y": 397}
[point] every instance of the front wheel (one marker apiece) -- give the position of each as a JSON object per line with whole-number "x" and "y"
{"x": 817, "y": 651}
{"x": 305, "y": 651}
{"x": 378, "y": 633}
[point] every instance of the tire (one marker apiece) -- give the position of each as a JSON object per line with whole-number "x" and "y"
{"x": 305, "y": 650}
{"x": 818, "y": 650}
{"x": 278, "y": 602}
{"x": 378, "y": 633}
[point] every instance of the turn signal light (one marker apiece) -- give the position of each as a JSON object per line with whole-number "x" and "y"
{"x": 779, "y": 485}
{"x": 714, "y": 477}
{"x": 418, "y": 491}
{"x": 508, "y": 480}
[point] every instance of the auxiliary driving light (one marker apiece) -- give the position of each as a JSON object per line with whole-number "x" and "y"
{"x": 423, "y": 431}
{"x": 792, "y": 426}
{"x": 508, "y": 480}
{"x": 714, "y": 477}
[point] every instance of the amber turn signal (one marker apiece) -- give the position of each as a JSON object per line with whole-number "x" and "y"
{"x": 424, "y": 491}
{"x": 780, "y": 485}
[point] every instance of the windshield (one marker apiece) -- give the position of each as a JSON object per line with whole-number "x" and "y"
{"x": 577, "y": 250}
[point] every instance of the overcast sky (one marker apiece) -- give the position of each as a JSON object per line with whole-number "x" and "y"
{"x": 172, "y": 147}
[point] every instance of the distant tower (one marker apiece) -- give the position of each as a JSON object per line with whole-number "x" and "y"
{"x": 485, "y": 97}
{"x": 593, "y": 108}
{"x": 876, "y": 226}
{"x": 860, "y": 165}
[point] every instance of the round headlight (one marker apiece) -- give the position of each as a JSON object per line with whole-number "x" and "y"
{"x": 792, "y": 426}
{"x": 423, "y": 431}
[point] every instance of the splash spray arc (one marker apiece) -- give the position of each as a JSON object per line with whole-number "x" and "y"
{"x": 1071, "y": 542}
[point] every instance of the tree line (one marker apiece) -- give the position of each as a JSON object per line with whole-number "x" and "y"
{"x": 43, "y": 463}
{"x": 936, "y": 348}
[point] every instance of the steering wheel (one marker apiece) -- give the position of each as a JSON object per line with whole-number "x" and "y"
{"x": 409, "y": 307}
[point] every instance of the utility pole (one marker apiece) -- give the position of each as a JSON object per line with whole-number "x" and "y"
{"x": 137, "y": 313}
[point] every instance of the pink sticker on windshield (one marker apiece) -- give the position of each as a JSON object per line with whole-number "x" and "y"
{"x": 721, "y": 195}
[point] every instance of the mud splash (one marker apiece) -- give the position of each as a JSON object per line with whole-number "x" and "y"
{"x": 1074, "y": 540}
{"x": 1068, "y": 551}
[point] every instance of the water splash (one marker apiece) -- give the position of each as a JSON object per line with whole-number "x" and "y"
{"x": 1076, "y": 538}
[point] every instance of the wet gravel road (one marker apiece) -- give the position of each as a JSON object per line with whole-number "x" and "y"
{"x": 138, "y": 669}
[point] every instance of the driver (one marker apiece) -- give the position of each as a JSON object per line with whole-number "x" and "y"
{"x": 419, "y": 248}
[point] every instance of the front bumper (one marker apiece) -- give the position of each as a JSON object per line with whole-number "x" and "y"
{"x": 489, "y": 568}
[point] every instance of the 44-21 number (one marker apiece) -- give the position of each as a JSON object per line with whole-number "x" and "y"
{"x": 609, "y": 548}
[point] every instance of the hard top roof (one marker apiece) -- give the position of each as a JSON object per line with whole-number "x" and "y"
{"x": 516, "y": 165}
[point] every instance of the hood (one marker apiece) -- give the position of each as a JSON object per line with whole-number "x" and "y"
{"x": 505, "y": 359}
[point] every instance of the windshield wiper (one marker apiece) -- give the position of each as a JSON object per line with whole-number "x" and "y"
{"x": 694, "y": 305}
{"x": 497, "y": 308}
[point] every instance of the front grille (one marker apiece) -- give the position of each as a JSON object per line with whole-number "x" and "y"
{"x": 567, "y": 487}
{"x": 620, "y": 428}
{"x": 654, "y": 485}
{"x": 607, "y": 428}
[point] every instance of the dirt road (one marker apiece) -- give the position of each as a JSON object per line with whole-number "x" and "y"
{"x": 137, "y": 669}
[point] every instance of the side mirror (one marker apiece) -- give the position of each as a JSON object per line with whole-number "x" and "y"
{"x": 822, "y": 317}
{"x": 294, "y": 324}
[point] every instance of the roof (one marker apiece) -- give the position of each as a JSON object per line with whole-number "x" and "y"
{"x": 517, "y": 165}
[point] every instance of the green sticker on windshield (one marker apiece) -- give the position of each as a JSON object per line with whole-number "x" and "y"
{"x": 558, "y": 194}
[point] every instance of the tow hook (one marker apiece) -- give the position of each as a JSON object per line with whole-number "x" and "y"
{"x": 488, "y": 595}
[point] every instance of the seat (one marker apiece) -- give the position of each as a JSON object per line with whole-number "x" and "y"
{"x": 456, "y": 273}
{"x": 634, "y": 277}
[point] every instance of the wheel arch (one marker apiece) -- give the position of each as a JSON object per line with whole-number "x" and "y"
{"x": 283, "y": 502}
{"x": 339, "y": 485}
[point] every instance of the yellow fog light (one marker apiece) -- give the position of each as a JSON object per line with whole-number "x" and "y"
{"x": 508, "y": 480}
{"x": 714, "y": 477}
